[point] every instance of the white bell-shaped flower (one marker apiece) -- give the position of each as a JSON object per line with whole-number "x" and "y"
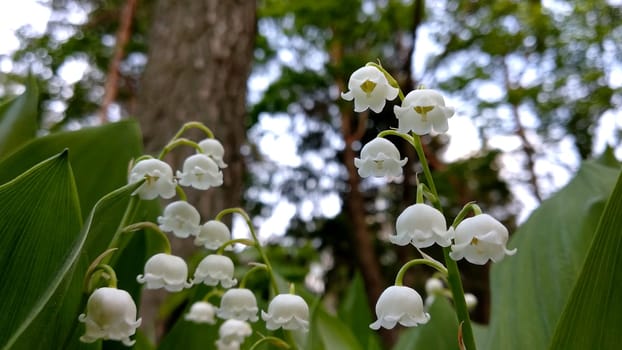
{"x": 480, "y": 238}
{"x": 180, "y": 218}
{"x": 422, "y": 225}
{"x": 380, "y": 157}
{"x": 422, "y": 111}
{"x": 399, "y": 304}
{"x": 470, "y": 300}
{"x": 201, "y": 312}
{"x": 110, "y": 314}
{"x": 158, "y": 177}
{"x": 232, "y": 334}
{"x": 213, "y": 234}
{"x": 214, "y": 149}
{"x": 165, "y": 271}
{"x": 240, "y": 304}
{"x": 369, "y": 88}
{"x": 200, "y": 172}
{"x": 287, "y": 311}
{"x": 434, "y": 286}
{"x": 214, "y": 269}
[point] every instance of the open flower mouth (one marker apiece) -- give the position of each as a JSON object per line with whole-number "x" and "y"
{"x": 423, "y": 111}
{"x": 368, "y": 87}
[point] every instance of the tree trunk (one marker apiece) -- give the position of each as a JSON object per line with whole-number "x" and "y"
{"x": 200, "y": 56}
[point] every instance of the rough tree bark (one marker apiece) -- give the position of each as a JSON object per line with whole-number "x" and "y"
{"x": 200, "y": 55}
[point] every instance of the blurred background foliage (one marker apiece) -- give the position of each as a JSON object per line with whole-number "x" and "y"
{"x": 534, "y": 78}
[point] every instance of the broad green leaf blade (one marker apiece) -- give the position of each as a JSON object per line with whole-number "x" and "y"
{"x": 440, "y": 333}
{"x": 354, "y": 312}
{"x": 529, "y": 290}
{"x": 333, "y": 333}
{"x": 99, "y": 157}
{"x": 39, "y": 225}
{"x": 57, "y": 326}
{"x": 18, "y": 119}
{"x": 594, "y": 310}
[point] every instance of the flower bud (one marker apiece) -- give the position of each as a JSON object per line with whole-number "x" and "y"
{"x": 110, "y": 314}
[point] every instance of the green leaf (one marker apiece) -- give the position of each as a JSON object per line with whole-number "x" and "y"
{"x": 99, "y": 157}
{"x": 355, "y": 313}
{"x": 333, "y": 333}
{"x": 530, "y": 289}
{"x": 39, "y": 221}
{"x": 440, "y": 333}
{"x": 57, "y": 326}
{"x": 18, "y": 119}
{"x": 595, "y": 304}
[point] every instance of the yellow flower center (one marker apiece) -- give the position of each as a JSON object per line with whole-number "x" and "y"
{"x": 368, "y": 86}
{"x": 423, "y": 111}
{"x": 474, "y": 241}
{"x": 379, "y": 164}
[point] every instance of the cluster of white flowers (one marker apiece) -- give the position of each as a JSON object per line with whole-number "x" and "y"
{"x": 477, "y": 239}
{"x": 111, "y": 312}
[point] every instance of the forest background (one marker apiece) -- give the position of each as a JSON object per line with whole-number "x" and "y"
{"x": 536, "y": 85}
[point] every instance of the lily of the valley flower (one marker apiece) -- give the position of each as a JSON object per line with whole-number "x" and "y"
{"x": 201, "y": 312}
{"x": 421, "y": 225}
{"x": 380, "y": 157}
{"x": 110, "y": 314}
{"x": 369, "y": 88}
{"x": 480, "y": 238}
{"x": 239, "y": 304}
{"x": 165, "y": 271}
{"x": 213, "y": 234}
{"x": 399, "y": 304}
{"x": 232, "y": 334}
{"x": 200, "y": 172}
{"x": 287, "y": 311}
{"x": 214, "y": 149}
{"x": 181, "y": 218}
{"x": 422, "y": 111}
{"x": 214, "y": 269}
{"x": 158, "y": 177}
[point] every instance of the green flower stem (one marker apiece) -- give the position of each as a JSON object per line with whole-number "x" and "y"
{"x": 212, "y": 293}
{"x": 273, "y": 340}
{"x": 181, "y": 194}
{"x": 194, "y": 125}
{"x": 464, "y": 211}
{"x": 260, "y": 250}
{"x": 177, "y": 143}
{"x": 453, "y": 273}
{"x": 128, "y": 216}
{"x": 107, "y": 272}
{"x": 244, "y": 241}
{"x": 432, "y": 263}
{"x": 256, "y": 267}
{"x": 151, "y": 227}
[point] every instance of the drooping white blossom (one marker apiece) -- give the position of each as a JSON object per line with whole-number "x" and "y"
{"x": 158, "y": 175}
{"x": 399, "y": 304}
{"x": 201, "y": 312}
{"x": 369, "y": 88}
{"x": 287, "y": 311}
{"x": 180, "y": 218}
{"x": 213, "y": 234}
{"x": 240, "y": 304}
{"x": 214, "y": 149}
{"x": 214, "y": 269}
{"x": 380, "y": 157}
{"x": 422, "y": 111}
{"x": 480, "y": 238}
{"x": 200, "y": 172}
{"x": 232, "y": 334}
{"x": 422, "y": 226}
{"x": 165, "y": 271}
{"x": 110, "y": 315}
{"x": 470, "y": 300}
